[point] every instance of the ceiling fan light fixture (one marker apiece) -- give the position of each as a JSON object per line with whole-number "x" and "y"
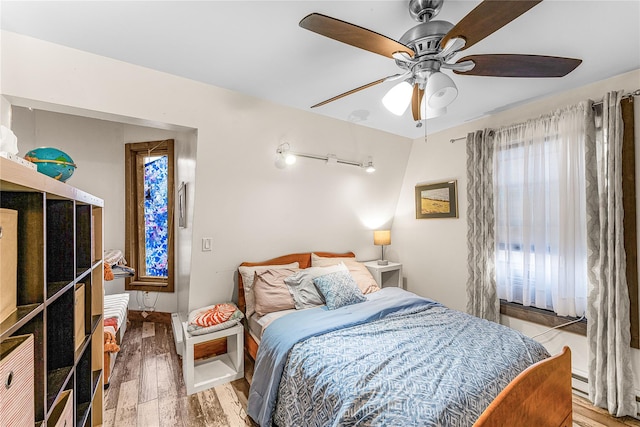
{"x": 427, "y": 112}
{"x": 397, "y": 99}
{"x": 440, "y": 90}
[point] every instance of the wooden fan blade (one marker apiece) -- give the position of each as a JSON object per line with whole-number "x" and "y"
{"x": 342, "y": 95}
{"x": 519, "y": 65}
{"x": 488, "y": 17}
{"x": 353, "y": 35}
{"x": 416, "y": 99}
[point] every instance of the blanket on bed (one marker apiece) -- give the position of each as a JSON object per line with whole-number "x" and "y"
{"x": 396, "y": 359}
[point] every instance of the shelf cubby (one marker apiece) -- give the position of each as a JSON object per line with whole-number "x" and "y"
{"x": 83, "y": 238}
{"x": 60, "y": 241}
{"x": 30, "y": 260}
{"x": 84, "y": 384}
{"x": 60, "y": 350}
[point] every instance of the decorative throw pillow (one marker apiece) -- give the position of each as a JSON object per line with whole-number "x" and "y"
{"x": 339, "y": 289}
{"x": 248, "y": 273}
{"x": 213, "y": 318}
{"x": 304, "y": 292}
{"x": 217, "y": 314}
{"x": 358, "y": 270}
{"x": 271, "y": 293}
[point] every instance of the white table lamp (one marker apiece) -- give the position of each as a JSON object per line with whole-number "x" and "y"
{"x": 382, "y": 238}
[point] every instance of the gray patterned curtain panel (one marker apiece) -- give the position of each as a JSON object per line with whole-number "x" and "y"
{"x": 608, "y": 334}
{"x": 482, "y": 297}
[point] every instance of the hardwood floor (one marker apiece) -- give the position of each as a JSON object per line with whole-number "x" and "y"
{"x": 147, "y": 390}
{"x": 586, "y": 415}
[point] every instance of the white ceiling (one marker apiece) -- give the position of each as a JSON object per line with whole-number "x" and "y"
{"x": 257, "y": 47}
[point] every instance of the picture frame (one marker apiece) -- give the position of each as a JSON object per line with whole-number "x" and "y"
{"x": 182, "y": 205}
{"x": 439, "y": 200}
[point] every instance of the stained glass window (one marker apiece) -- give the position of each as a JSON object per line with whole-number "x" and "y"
{"x": 156, "y": 216}
{"x": 149, "y": 215}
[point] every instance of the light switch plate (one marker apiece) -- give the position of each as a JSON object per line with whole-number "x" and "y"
{"x": 207, "y": 243}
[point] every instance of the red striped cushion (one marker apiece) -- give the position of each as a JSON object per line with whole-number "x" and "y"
{"x": 218, "y": 314}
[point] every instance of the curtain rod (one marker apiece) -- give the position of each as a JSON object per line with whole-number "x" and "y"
{"x": 627, "y": 95}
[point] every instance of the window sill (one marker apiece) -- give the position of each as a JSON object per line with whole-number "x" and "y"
{"x": 147, "y": 286}
{"x": 542, "y": 317}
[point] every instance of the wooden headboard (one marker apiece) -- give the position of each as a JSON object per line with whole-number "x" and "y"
{"x": 304, "y": 259}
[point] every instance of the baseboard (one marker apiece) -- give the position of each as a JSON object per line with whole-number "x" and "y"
{"x": 580, "y": 387}
{"x": 151, "y": 316}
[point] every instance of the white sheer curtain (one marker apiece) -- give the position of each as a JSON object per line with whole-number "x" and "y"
{"x": 541, "y": 244}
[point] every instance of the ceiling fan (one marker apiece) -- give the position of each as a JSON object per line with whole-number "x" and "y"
{"x": 429, "y": 46}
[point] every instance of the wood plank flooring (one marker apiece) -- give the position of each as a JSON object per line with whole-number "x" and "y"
{"x": 586, "y": 415}
{"x": 147, "y": 390}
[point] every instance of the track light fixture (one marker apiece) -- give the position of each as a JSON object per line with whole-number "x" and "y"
{"x": 286, "y": 157}
{"x": 368, "y": 167}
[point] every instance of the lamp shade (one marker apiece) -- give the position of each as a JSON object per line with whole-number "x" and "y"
{"x": 398, "y": 98}
{"x": 280, "y": 161}
{"x": 427, "y": 112}
{"x": 440, "y": 90}
{"x": 382, "y": 237}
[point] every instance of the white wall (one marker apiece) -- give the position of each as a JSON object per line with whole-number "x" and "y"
{"x": 434, "y": 251}
{"x": 252, "y": 210}
{"x": 185, "y": 154}
{"x": 97, "y": 147}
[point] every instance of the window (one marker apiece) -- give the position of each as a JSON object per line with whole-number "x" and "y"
{"x": 540, "y": 215}
{"x": 149, "y": 215}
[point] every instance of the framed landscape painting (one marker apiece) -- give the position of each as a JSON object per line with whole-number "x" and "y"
{"x": 438, "y": 200}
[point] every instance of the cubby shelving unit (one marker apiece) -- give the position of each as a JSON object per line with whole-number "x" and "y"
{"x": 60, "y": 231}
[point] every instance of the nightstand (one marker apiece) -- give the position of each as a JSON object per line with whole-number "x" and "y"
{"x": 386, "y": 275}
{"x": 203, "y": 374}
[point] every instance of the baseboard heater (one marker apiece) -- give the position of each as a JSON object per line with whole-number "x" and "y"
{"x": 580, "y": 387}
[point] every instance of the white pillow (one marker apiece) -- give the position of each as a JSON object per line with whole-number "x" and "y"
{"x": 320, "y": 261}
{"x": 304, "y": 292}
{"x": 360, "y": 273}
{"x": 248, "y": 274}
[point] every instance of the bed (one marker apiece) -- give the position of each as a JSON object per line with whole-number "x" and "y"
{"x": 115, "y": 324}
{"x": 398, "y": 359}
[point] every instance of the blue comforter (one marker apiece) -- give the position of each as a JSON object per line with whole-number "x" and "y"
{"x": 395, "y": 360}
